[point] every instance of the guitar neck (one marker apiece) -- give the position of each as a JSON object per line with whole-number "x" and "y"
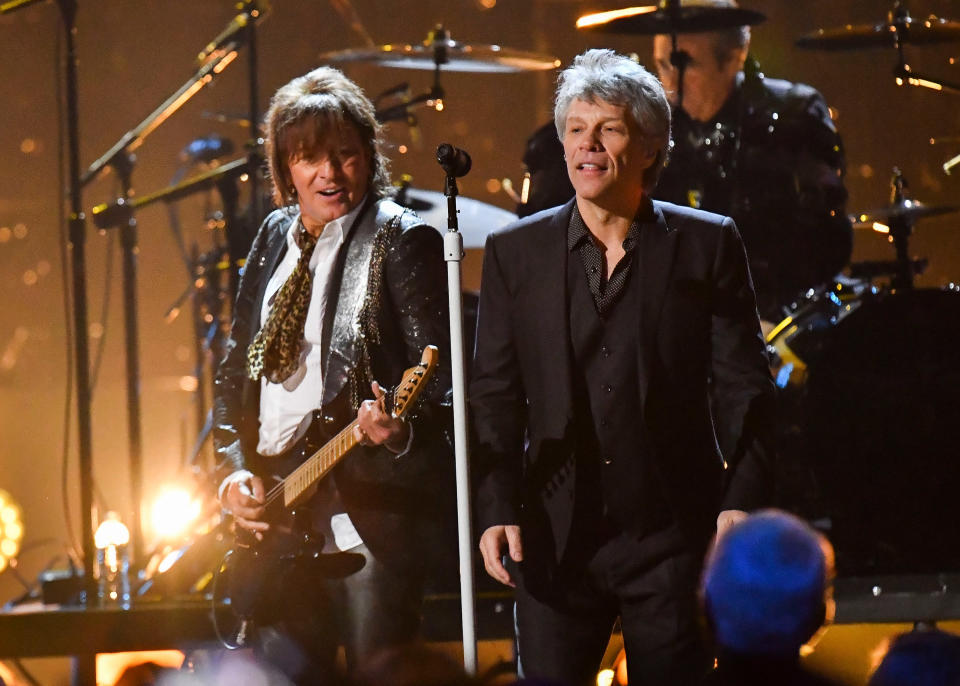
{"x": 315, "y": 467}
{"x": 299, "y": 482}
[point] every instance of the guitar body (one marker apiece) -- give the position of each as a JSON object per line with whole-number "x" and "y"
{"x": 292, "y": 535}
{"x": 290, "y": 482}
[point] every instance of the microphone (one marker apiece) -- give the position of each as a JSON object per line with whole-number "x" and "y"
{"x": 455, "y": 162}
{"x": 206, "y": 149}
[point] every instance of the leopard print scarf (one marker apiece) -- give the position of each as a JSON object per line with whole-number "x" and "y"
{"x": 275, "y": 351}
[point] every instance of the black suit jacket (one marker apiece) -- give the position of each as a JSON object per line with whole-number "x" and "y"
{"x": 395, "y": 503}
{"x": 703, "y": 378}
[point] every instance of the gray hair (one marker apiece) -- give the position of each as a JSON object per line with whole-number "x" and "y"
{"x": 618, "y": 80}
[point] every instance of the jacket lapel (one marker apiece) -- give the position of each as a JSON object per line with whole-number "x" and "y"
{"x": 658, "y": 243}
{"x": 276, "y": 249}
{"x": 548, "y": 266}
{"x": 346, "y": 290}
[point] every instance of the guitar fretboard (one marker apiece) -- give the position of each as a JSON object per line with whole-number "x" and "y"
{"x": 317, "y": 465}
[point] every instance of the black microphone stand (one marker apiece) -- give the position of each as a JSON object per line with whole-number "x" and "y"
{"x": 219, "y": 54}
{"x": 679, "y": 59}
{"x": 453, "y": 254}
{"x": 84, "y": 666}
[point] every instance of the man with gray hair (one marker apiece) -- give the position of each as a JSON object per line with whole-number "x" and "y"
{"x": 763, "y": 151}
{"x": 617, "y": 336}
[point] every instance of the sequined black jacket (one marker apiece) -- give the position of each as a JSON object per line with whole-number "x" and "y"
{"x": 395, "y": 503}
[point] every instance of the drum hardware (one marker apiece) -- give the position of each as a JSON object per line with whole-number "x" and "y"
{"x": 875, "y": 269}
{"x": 439, "y": 51}
{"x": 899, "y": 30}
{"x": 669, "y": 17}
{"x": 477, "y": 219}
{"x": 906, "y": 210}
{"x": 897, "y": 221}
{"x": 868, "y": 412}
{"x": 403, "y": 110}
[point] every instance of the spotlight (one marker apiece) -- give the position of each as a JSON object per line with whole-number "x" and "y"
{"x": 11, "y": 529}
{"x": 174, "y": 510}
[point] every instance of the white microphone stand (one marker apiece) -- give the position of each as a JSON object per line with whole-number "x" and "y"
{"x": 453, "y": 254}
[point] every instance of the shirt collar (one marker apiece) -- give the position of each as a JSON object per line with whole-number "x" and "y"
{"x": 577, "y": 230}
{"x": 341, "y": 225}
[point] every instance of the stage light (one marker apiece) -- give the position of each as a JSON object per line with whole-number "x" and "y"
{"x": 600, "y": 18}
{"x": 11, "y": 529}
{"x": 174, "y": 510}
{"x": 113, "y": 561}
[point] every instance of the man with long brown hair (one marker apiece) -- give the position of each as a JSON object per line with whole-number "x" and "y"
{"x": 341, "y": 292}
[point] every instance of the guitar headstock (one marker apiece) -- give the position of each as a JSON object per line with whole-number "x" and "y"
{"x": 413, "y": 382}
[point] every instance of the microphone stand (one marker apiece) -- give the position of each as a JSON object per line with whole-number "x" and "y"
{"x": 84, "y": 667}
{"x": 678, "y": 58}
{"x": 219, "y": 54}
{"x": 453, "y": 254}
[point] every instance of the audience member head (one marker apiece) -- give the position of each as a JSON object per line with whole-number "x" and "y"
{"x": 767, "y": 585}
{"x": 920, "y": 658}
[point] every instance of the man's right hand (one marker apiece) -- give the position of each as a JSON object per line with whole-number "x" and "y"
{"x": 245, "y": 501}
{"x": 493, "y": 542}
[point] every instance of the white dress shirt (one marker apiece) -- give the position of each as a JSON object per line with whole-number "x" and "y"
{"x": 283, "y": 406}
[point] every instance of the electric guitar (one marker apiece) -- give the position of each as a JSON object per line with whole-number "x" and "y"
{"x": 290, "y": 481}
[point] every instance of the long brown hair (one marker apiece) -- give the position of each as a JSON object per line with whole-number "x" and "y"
{"x": 308, "y": 109}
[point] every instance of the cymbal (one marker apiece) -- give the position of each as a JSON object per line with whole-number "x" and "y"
{"x": 439, "y": 51}
{"x": 475, "y": 219}
{"x": 909, "y": 211}
{"x": 914, "y": 31}
{"x": 652, "y": 19}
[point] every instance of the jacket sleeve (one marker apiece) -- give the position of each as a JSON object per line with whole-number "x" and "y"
{"x": 497, "y": 401}
{"x": 742, "y": 387}
{"x": 415, "y": 277}
{"x": 230, "y": 383}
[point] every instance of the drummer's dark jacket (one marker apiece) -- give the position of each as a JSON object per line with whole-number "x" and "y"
{"x": 387, "y": 295}
{"x": 701, "y": 381}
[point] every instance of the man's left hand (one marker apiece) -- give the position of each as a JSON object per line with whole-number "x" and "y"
{"x": 727, "y": 519}
{"x": 376, "y": 426}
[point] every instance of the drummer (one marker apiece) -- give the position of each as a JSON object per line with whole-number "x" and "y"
{"x": 763, "y": 151}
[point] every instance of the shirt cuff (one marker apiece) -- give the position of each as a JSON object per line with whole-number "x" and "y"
{"x": 234, "y": 477}
{"x": 406, "y": 448}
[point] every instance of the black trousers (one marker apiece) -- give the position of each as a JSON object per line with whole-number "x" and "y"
{"x": 562, "y": 634}
{"x": 370, "y": 610}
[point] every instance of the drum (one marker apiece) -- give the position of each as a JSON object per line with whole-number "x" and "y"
{"x": 869, "y": 434}
{"x": 475, "y": 219}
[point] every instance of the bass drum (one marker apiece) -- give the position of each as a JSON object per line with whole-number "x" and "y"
{"x": 870, "y": 425}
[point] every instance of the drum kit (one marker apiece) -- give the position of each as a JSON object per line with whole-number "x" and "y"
{"x": 868, "y": 366}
